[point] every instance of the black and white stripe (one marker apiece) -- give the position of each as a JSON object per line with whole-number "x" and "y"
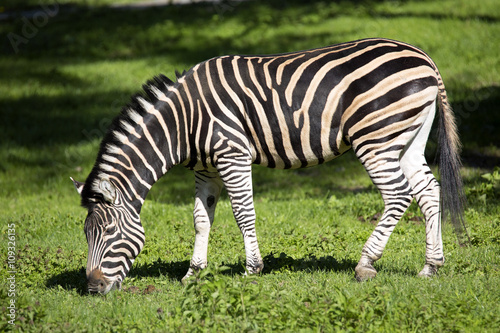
{"x": 291, "y": 110}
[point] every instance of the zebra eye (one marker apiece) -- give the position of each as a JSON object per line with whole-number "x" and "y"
{"x": 110, "y": 230}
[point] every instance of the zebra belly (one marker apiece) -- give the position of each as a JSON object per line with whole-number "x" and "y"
{"x": 294, "y": 154}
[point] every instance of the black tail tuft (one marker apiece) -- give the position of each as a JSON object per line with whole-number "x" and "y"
{"x": 453, "y": 199}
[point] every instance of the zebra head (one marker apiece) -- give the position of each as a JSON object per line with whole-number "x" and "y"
{"x": 114, "y": 234}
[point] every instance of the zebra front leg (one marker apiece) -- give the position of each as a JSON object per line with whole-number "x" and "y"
{"x": 208, "y": 188}
{"x": 237, "y": 177}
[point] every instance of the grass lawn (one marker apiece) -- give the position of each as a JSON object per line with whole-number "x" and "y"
{"x": 64, "y": 77}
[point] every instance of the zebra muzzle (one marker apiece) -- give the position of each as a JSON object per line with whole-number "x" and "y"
{"x": 97, "y": 282}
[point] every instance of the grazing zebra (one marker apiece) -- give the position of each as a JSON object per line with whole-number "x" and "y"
{"x": 292, "y": 110}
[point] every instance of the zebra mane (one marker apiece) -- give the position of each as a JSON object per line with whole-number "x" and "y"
{"x": 154, "y": 91}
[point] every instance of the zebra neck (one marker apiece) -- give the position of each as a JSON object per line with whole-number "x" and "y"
{"x": 142, "y": 145}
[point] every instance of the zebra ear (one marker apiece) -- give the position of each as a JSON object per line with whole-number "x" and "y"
{"x": 108, "y": 190}
{"x": 78, "y": 185}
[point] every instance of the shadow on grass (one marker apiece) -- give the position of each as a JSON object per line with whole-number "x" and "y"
{"x": 75, "y": 279}
{"x": 174, "y": 270}
{"x": 273, "y": 263}
{"x": 90, "y": 34}
{"x": 478, "y": 122}
{"x": 78, "y": 110}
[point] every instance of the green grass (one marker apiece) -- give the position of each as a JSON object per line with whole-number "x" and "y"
{"x": 61, "y": 89}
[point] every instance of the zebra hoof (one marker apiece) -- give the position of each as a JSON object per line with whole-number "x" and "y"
{"x": 365, "y": 272}
{"x": 255, "y": 269}
{"x": 185, "y": 279}
{"x": 193, "y": 270}
{"x": 428, "y": 271}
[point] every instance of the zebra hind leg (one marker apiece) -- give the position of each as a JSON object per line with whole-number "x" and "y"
{"x": 426, "y": 191}
{"x": 208, "y": 188}
{"x": 387, "y": 175}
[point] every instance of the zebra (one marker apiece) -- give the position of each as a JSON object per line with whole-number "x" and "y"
{"x": 292, "y": 110}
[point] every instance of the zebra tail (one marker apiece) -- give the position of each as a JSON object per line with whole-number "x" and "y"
{"x": 453, "y": 199}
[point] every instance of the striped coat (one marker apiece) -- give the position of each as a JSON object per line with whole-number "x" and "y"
{"x": 291, "y": 110}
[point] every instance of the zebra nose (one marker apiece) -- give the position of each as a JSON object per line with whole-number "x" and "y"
{"x": 97, "y": 282}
